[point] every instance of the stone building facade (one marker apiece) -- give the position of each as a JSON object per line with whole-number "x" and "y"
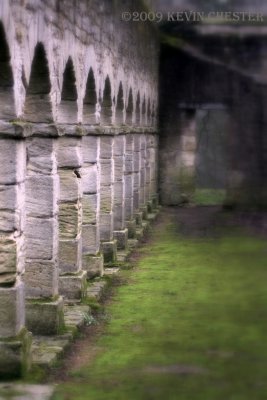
{"x": 78, "y": 151}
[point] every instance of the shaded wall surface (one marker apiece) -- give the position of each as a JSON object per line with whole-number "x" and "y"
{"x": 190, "y": 83}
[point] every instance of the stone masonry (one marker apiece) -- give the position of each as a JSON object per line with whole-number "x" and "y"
{"x": 78, "y": 151}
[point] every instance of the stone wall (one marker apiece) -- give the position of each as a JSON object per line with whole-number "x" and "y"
{"x": 78, "y": 151}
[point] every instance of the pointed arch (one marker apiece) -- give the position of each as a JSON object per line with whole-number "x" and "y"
{"x": 129, "y": 109}
{"x": 7, "y": 100}
{"x": 38, "y": 106}
{"x": 120, "y": 106}
{"x": 68, "y": 108}
{"x": 106, "y": 106}
{"x": 138, "y": 110}
{"x": 90, "y": 99}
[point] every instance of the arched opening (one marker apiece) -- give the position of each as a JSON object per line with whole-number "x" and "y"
{"x": 143, "y": 111}
{"x": 153, "y": 115}
{"x": 129, "y": 109}
{"x": 138, "y": 110}
{"x": 120, "y": 106}
{"x": 38, "y": 104}
{"x": 106, "y": 106}
{"x": 90, "y": 100}
{"x": 68, "y": 107}
{"x": 7, "y": 104}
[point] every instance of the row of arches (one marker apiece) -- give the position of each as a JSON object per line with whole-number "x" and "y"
{"x": 99, "y": 107}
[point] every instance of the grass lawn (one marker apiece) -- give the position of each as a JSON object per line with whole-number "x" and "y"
{"x": 189, "y": 324}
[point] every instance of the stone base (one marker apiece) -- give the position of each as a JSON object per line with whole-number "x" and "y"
{"x": 45, "y": 317}
{"x": 144, "y": 211}
{"x": 109, "y": 250}
{"x": 150, "y": 206}
{"x": 139, "y": 218}
{"x": 15, "y": 355}
{"x": 131, "y": 225}
{"x": 93, "y": 265}
{"x": 122, "y": 239}
{"x": 73, "y": 287}
{"x": 155, "y": 200}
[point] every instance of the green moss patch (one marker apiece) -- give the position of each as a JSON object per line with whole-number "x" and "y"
{"x": 190, "y": 324}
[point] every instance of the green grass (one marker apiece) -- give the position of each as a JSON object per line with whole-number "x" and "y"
{"x": 206, "y": 197}
{"x": 197, "y": 307}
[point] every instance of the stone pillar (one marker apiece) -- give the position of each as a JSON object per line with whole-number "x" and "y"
{"x": 120, "y": 231}
{"x": 129, "y": 169}
{"x": 15, "y": 341}
{"x": 92, "y": 258}
{"x": 137, "y": 179}
{"x": 143, "y": 194}
{"x": 151, "y": 172}
{"x": 44, "y": 308}
{"x": 106, "y": 162}
{"x": 72, "y": 281}
{"x": 148, "y": 172}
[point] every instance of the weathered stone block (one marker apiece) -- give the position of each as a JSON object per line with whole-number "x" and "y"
{"x": 69, "y": 220}
{"x": 106, "y": 147}
{"x": 106, "y": 201}
{"x": 41, "y": 279}
{"x": 12, "y": 313}
{"x": 69, "y": 152}
{"x": 15, "y": 355}
{"x": 128, "y": 163}
{"x": 89, "y": 175}
{"x": 128, "y": 181}
{"x": 119, "y": 145}
{"x": 8, "y": 254}
{"x": 69, "y": 256}
{"x": 106, "y": 226}
{"x": 73, "y": 287}
{"x": 13, "y": 161}
{"x": 10, "y": 221}
{"x": 90, "y": 239}
{"x": 41, "y": 195}
{"x": 128, "y": 208}
{"x": 109, "y": 250}
{"x": 11, "y": 196}
{"x": 90, "y": 208}
{"x": 106, "y": 172}
{"x": 131, "y": 225}
{"x": 41, "y": 154}
{"x": 41, "y": 238}
{"x": 70, "y": 186}
{"x": 45, "y": 318}
{"x": 90, "y": 146}
{"x": 118, "y": 168}
{"x": 122, "y": 239}
{"x": 94, "y": 265}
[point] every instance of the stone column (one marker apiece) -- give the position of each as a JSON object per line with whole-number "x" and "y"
{"x": 143, "y": 195}
{"x": 106, "y": 162}
{"x": 44, "y": 309}
{"x": 120, "y": 231}
{"x": 72, "y": 281}
{"x": 92, "y": 258}
{"x": 154, "y": 170}
{"x": 137, "y": 179}
{"x": 15, "y": 341}
{"x": 129, "y": 169}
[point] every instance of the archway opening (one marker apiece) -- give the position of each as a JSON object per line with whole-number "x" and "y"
{"x": 67, "y": 112}
{"x": 90, "y": 100}
{"x": 106, "y": 106}
{"x": 129, "y": 109}
{"x": 120, "y": 106}
{"x": 38, "y": 106}
{"x": 7, "y": 103}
